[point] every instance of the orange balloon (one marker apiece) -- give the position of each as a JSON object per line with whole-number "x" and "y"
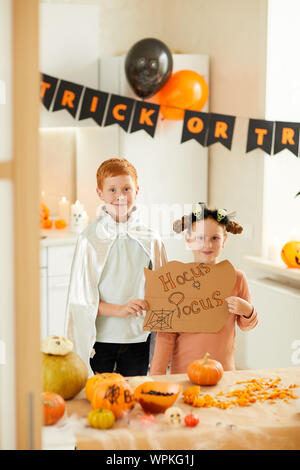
{"x": 185, "y": 89}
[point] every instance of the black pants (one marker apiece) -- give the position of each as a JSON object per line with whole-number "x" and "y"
{"x": 127, "y": 359}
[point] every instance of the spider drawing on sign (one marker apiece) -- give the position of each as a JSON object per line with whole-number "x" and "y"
{"x": 160, "y": 319}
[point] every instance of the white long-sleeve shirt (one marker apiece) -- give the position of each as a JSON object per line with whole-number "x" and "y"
{"x": 122, "y": 280}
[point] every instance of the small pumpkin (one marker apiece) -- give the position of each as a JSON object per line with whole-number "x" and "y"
{"x": 290, "y": 254}
{"x": 60, "y": 224}
{"x": 54, "y": 407}
{"x": 205, "y": 371}
{"x": 156, "y": 397}
{"x": 191, "y": 420}
{"x": 92, "y": 382}
{"x": 101, "y": 419}
{"x": 47, "y": 224}
{"x": 114, "y": 394}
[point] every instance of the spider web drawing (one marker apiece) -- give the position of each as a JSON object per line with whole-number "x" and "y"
{"x": 160, "y": 319}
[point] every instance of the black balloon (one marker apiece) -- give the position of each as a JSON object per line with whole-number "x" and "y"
{"x": 148, "y": 66}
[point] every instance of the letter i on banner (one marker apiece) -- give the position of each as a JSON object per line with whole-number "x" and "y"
{"x": 119, "y": 111}
{"x": 286, "y": 137}
{"x": 260, "y": 135}
{"x": 195, "y": 126}
{"x": 93, "y": 105}
{"x": 67, "y": 97}
{"x": 221, "y": 129}
{"x": 145, "y": 117}
{"x": 48, "y": 87}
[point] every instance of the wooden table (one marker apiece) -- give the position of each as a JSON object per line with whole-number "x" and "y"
{"x": 260, "y": 426}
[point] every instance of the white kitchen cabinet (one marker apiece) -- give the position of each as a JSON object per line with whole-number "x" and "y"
{"x": 57, "y": 298}
{"x": 56, "y": 261}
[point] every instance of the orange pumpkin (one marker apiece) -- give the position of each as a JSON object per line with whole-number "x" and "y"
{"x": 114, "y": 394}
{"x": 156, "y": 397}
{"x": 60, "y": 224}
{"x": 47, "y": 223}
{"x": 205, "y": 371}
{"x": 92, "y": 382}
{"x": 54, "y": 407}
{"x": 290, "y": 254}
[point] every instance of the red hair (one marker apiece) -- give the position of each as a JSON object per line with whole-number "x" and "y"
{"x": 115, "y": 167}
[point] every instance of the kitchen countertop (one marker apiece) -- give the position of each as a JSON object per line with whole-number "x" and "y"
{"x": 54, "y": 237}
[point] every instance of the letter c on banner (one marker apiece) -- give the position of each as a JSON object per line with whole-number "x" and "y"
{"x": 116, "y": 112}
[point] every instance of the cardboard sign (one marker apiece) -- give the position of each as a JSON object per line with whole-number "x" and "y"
{"x": 188, "y": 297}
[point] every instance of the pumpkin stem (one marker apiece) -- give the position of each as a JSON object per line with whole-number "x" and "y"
{"x": 205, "y": 359}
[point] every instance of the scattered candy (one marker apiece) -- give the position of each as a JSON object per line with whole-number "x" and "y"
{"x": 147, "y": 420}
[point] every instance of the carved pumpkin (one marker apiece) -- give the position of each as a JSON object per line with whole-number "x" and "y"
{"x": 92, "y": 382}
{"x": 290, "y": 254}
{"x": 114, "y": 394}
{"x": 156, "y": 397}
{"x": 205, "y": 371}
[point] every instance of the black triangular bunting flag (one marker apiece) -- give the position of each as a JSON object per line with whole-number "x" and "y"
{"x": 221, "y": 129}
{"x": 119, "y": 111}
{"x": 67, "y": 97}
{"x": 195, "y": 126}
{"x": 48, "y": 87}
{"x": 145, "y": 117}
{"x": 260, "y": 135}
{"x": 93, "y": 105}
{"x": 286, "y": 137}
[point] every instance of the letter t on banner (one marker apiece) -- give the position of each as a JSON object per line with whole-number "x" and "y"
{"x": 48, "y": 87}
{"x": 260, "y": 135}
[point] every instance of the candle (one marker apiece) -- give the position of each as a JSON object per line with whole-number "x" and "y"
{"x": 85, "y": 219}
{"x": 274, "y": 251}
{"x": 64, "y": 209}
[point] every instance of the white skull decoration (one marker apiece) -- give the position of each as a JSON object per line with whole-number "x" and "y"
{"x": 174, "y": 415}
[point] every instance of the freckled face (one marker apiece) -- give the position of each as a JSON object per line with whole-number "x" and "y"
{"x": 206, "y": 240}
{"x": 119, "y": 194}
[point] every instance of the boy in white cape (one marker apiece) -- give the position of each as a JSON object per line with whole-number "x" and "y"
{"x": 105, "y": 305}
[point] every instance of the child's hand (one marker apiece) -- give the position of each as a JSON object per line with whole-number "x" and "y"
{"x": 239, "y": 306}
{"x": 133, "y": 307}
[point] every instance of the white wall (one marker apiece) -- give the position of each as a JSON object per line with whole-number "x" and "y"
{"x": 233, "y": 34}
{"x": 282, "y": 171}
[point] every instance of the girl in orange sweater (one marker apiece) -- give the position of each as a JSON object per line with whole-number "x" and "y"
{"x": 206, "y": 234}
